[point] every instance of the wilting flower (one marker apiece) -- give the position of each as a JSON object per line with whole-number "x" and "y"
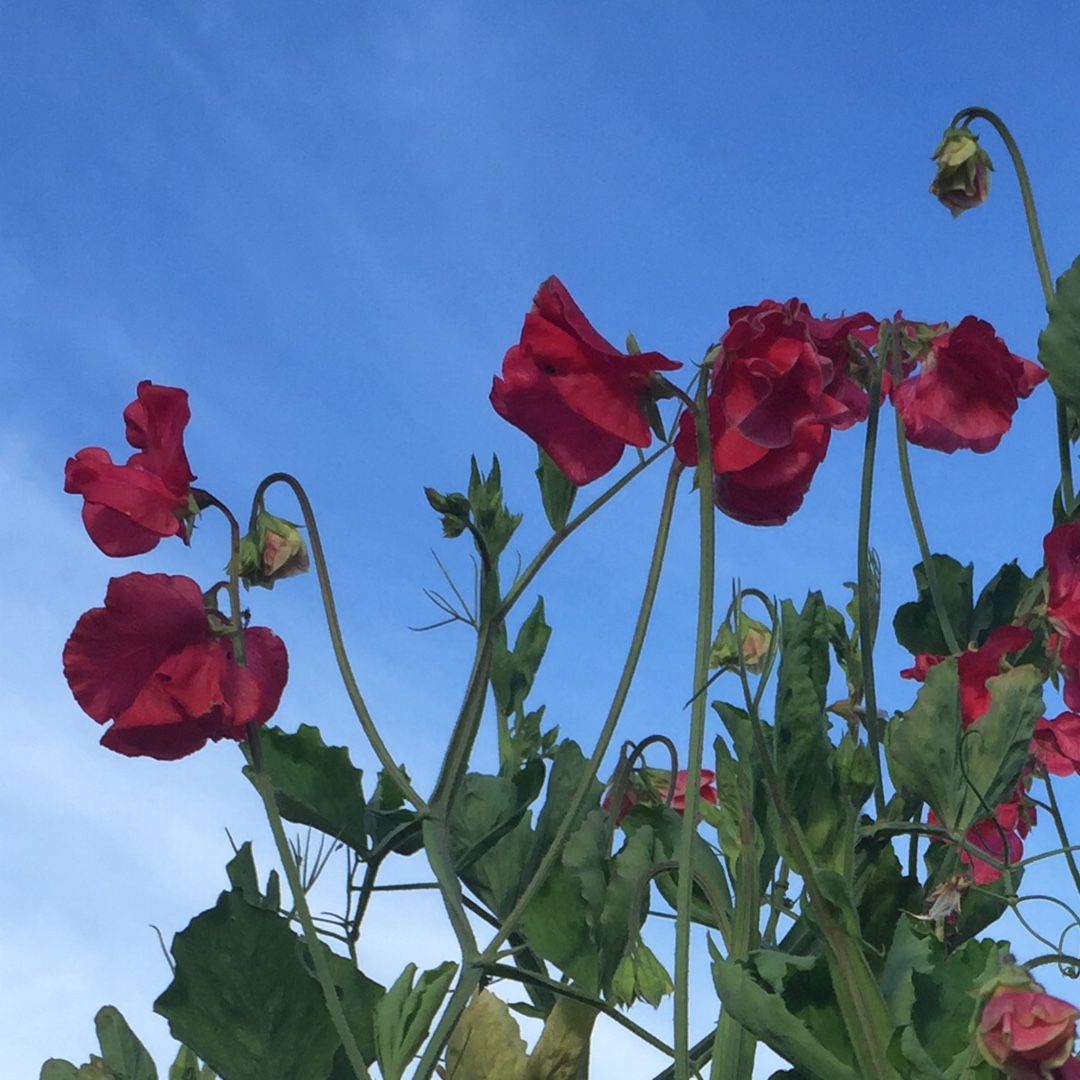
{"x": 573, "y": 392}
{"x": 130, "y": 508}
{"x": 1025, "y": 1032}
{"x": 650, "y": 786}
{"x": 998, "y": 836}
{"x": 963, "y": 171}
{"x": 966, "y": 391}
{"x": 161, "y": 666}
{"x": 274, "y": 549}
{"x": 779, "y": 387}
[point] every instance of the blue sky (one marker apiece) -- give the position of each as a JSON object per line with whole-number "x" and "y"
{"x": 327, "y": 227}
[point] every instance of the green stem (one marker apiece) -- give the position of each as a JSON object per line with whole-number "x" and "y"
{"x": 386, "y": 759}
{"x": 703, "y": 643}
{"x": 1062, "y": 835}
{"x": 303, "y": 912}
{"x": 858, "y": 995}
{"x": 471, "y": 976}
{"x": 1045, "y": 279}
{"x": 866, "y": 613}
{"x": 526, "y": 576}
{"x": 735, "y": 1047}
{"x": 920, "y": 536}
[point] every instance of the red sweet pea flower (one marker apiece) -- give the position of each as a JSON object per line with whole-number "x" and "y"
{"x": 1026, "y": 1032}
{"x": 573, "y": 392}
{"x": 130, "y": 508}
{"x": 1055, "y": 745}
{"x": 151, "y": 662}
{"x": 778, "y": 389}
{"x": 998, "y": 836}
{"x": 1061, "y": 547}
{"x": 966, "y": 391}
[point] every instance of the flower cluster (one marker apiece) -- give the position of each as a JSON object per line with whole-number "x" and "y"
{"x": 160, "y": 661}
{"x": 781, "y": 382}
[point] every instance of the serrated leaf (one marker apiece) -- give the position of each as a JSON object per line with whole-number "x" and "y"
{"x": 315, "y": 784}
{"x": 242, "y": 998}
{"x": 121, "y": 1050}
{"x": 1059, "y": 342}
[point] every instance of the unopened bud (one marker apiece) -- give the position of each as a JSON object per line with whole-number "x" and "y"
{"x": 963, "y": 171}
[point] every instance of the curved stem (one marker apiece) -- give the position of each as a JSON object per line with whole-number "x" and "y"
{"x": 300, "y": 904}
{"x": 1045, "y": 279}
{"x": 703, "y": 642}
{"x": 386, "y": 759}
{"x": 866, "y": 603}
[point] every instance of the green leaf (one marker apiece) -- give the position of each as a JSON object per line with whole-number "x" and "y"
{"x": 556, "y": 491}
{"x": 805, "y": 757}
{"x": 243, "y": 876}
{"x": 486, "y": 1044}
{"x": 315, "y": 784}
{"x": 403, "y": 1017}
{"x": 493, "y": 521}
{"x": 387, "y": 820}
{"x": 922, "y": 748}
{"x": 917, "y": 625}
{"x": 1059, "y": 343}
{"x": 186, "y": 1065}
{"x": 123, "y": 1054}
{"x": 58, "y": 1069}
{"x": 771, "y": 1021}
{"x": 556, "y": 924}
{"x": 360, "y": 997}
{"x": 995, "y": 747}
{"x": 999, "y": 601}
{"x": 96, "y": 1069}
{"x": 243, "y": 999}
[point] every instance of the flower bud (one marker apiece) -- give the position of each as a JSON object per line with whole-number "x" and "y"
{"x": 963, "y": 171}
{"x": 272, "y": 550}
{"x": 1022, "y": 1030}
{"x": 753, "y": 641}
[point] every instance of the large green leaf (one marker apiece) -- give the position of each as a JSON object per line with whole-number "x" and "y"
{"x": 998, "y": 601}
{"x": 922, "y": 748}
{"x": 996, "y": 746}
{"x": 315, "y": 784}
{"x": 768, "y": 1017}
{"x": 243, "y": 999}
{"x": 805, "y": 757}
{"x": 917, "y": 625}
{"x": 1059, "y": 343}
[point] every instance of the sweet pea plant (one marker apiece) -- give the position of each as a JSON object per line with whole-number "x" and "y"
{"x": 845, "y": 858}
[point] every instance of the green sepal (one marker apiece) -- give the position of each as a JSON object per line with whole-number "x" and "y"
{"x": 556, "y": 492}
